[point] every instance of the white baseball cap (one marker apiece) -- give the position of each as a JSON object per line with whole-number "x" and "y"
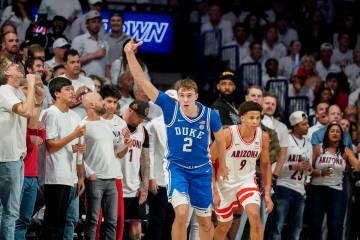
{"x": 93, "y": 14}
{"x": 92, "y": 2}
{"x": 60, "y": 42}
{"x": 326, "y": 46}
{"x": 297, "y": 117}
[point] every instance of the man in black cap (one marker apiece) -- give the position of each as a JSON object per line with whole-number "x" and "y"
{"x": 135, "y": 166}
{"x": 225, "y": 104}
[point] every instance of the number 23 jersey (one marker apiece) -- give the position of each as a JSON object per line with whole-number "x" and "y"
{"x": 241, "y": 155}
{"x": 296, "y": 151}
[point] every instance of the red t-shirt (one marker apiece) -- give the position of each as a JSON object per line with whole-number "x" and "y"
{"x": 341, "y": 99}
{"x": 32, "y": 155}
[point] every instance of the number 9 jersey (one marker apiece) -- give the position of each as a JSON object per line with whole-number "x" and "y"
{"x": 240, "y": 157}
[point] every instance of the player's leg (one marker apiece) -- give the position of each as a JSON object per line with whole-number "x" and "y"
{"x": 256, "y": 228}
{"x": 222, "y": 229}
{"x": 249, "y": 198}
{"x": 178, "y": 196}
{"x": 135, "y": 229}
{"x": 206, "y": 228}
{"x": 225, "y": 211}
{"x": 200, "y": 193}
{"x": 179, "y": 226}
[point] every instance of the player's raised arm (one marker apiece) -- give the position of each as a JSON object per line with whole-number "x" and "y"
{"x": 138, "y": 73}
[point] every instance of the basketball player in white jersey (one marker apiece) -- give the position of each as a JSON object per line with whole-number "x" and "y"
{"x": 245, "y": 143}
{"x": 134, "y": 163}
{"x": 290, "y": 192}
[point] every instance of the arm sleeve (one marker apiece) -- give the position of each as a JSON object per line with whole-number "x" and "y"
{"x": 77, "y": 45}
{"x": 167, "y": 105}
{"x": 10, "y": 99}
{"x": 315, "y": 139}
{"x": 51, "y": 126}
{"x": 88, "y": 170}
{"x": 215, "y": 122}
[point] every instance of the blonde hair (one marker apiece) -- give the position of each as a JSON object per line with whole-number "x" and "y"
{"x": 187, "y": 84}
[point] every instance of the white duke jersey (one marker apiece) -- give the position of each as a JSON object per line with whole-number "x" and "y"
{"x": 241, "y": 156}
{"x": 130, "y": 163}
{"x": 298, "y": 150}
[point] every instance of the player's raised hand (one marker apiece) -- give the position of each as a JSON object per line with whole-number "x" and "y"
{"x": 131, "y": 46}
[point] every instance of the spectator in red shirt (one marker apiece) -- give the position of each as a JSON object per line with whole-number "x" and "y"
{"x": 340, "y": 97}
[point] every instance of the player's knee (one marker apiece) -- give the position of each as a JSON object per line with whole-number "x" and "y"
{"x": 181, "y": 216}
{"x": 205, "y": 225}
{"x": 254, "y": 216}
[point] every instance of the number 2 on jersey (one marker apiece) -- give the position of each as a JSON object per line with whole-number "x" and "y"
{"x": 187, "y": 144}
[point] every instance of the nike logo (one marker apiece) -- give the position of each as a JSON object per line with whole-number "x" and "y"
{"x": 180, "y": 120}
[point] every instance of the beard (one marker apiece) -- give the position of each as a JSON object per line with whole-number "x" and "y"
{"x": 227, "y": 96}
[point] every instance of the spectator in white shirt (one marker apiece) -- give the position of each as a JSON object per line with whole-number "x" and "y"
{"x": 256, "y": 54}
{"x": 103, "y": 164}
{"x": 324, "y": 65}
{"x": 286, "y": 33}
{"x": 240, "y": 40}
{"x": 272, "y": 48}
{"x": 92, "y": 48}
{"x": 15, "y": 108}
{"x": 19, "y": 13}
{"x": 200, "y": 15}
{"x": 78, "y": 27}
{"x": 36, "y": 66}
{"x": 62, "y": 171}
{"x": 343, "y": 55}
{"x": 237, "y": 14}
{"x": 218, "y": 24}
{"x": 288, "y": 65}
{"x": 348, "y": 25}
{"x": 80, "y": 83}
{"x": 352, "y": 71}
{"x": 116, "y": 37}
{"x": 69, "y": 9}
{"x": 272, "y": 71}
{"x": 60, "y": 45}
